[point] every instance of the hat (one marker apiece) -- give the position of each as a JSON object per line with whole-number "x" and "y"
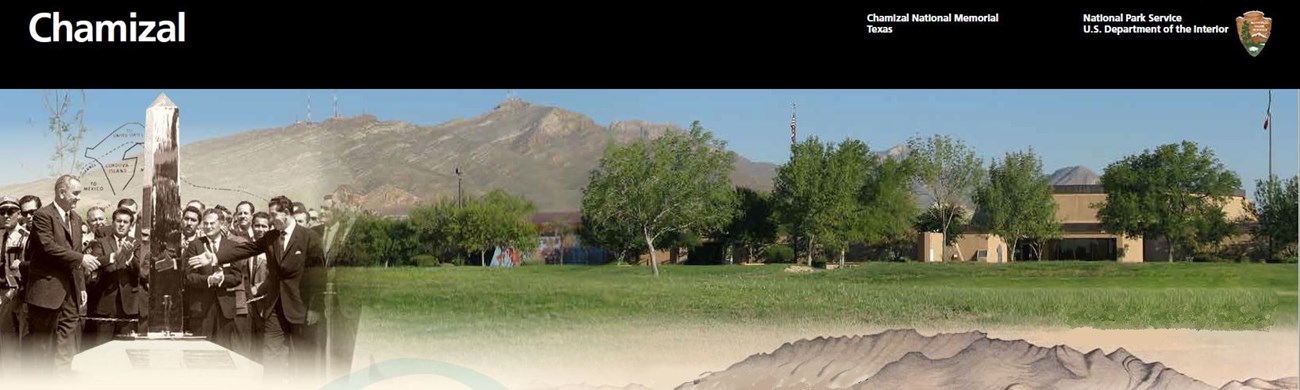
{"x": 7, "y": 202}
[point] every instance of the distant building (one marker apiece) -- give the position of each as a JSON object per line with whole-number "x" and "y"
{"x": 1075, "y": 190}
{"x": 560, "y": 243}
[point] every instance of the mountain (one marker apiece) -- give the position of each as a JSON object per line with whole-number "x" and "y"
{"x": 539, "y": 152}
{"x": 905, "y": 359}
{"x": 1074, "y": 176}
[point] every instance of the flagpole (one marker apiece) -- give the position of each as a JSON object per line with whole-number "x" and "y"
{"x": 792, "y": 124}
{"x": 1268, "y": 126}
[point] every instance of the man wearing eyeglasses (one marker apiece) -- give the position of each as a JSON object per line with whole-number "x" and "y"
{"x": 10, "y": 315}
{"x": 17, "y": 226}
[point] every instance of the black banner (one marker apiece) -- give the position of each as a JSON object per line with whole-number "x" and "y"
{"x": 654, "y": 45}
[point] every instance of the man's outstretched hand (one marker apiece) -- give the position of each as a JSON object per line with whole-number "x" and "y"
{"x": 206, "y": 258}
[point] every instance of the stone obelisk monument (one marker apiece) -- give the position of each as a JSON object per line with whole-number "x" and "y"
{"x": 165, "y": 357}
{"x": 161, "y": 214}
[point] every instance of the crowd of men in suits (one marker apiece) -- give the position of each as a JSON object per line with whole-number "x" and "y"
{"x": 254, "y": 281}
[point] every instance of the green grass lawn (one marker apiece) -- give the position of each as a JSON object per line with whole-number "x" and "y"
{"x": 1074, "y": 294}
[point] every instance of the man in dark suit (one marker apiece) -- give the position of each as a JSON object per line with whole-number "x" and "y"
{"x": 115, "y": 285}
{"x": 293, "y": 290}
{"x": 13, "y": 316}
{"x": 254, "y": 291}
{"x": 337, "y": 331}
{"x": 56, "y": 283}
{"x": 208, "y": 289}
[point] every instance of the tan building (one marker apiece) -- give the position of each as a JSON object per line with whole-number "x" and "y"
{"x": 1076, "y": 190}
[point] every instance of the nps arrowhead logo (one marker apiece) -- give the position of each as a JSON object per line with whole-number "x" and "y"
{"x": 1253, "y": 30}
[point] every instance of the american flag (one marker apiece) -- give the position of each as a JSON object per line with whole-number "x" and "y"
{"x": 792, "y": 124}
{"x": 1268, "y": 113}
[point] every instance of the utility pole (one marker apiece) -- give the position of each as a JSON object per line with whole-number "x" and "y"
{"x": 459, "y": 193}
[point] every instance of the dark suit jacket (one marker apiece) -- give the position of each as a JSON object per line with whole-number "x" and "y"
{"x": 198, "y": 295}
{"x": 295, "y": 277}
{"x": 54, "y": 252}
{"x": 116, "y": 282}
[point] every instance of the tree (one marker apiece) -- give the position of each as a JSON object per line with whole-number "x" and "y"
{"x": 1016, "y": 201}
{"x": 1275, "y": 211}
{"x": 621, "y": 239}
{"x": 504, "y": 222}
{"x": 481, "y": 224}
{"x": 800, "y": 204}
{"x": 439, "y": 226}
{"x": 379, "y": 241}
{"x": 949, "y": 172}
{"x": 1176, "y": 192}
{"x": 675, "y": 184}
{"x": 67, "y": 138}
{"x": 932, "y": 220}
{"x": 890, "y": 205}
{"x": 846, "y": 176}
{"x": 752, "y": 227}
{"x": 816, "y": 193}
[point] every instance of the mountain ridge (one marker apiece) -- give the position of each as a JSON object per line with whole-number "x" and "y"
{"x": 543, "y": 153}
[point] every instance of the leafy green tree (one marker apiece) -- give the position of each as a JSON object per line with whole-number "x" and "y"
{"x": 499, "y": 219}
{"x": 1016, "y": 201}
{"x": 439, "y": 228}
{"x": 1275, "y": 211}
{"x": 801, "y": 205}
{"x": 1176, "y": 192}
{"x": 932, "y": 220}
{"x": 949, "y": 172}
{"x": 890, "y": 205}
{"x": 675, "y": 184}
{"x": 846, "y": 175}
{"x": 621, "y": 239}
{"x": 481, "y": 224}
{"x": 753, "y": 227}
{"x": 376, "y": 241}
{"x": 816, "y": 193}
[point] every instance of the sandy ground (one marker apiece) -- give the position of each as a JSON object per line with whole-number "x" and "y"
{"x": 664, "y": 357}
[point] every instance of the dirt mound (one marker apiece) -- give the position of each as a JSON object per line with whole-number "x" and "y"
{"x": 898, "y": 359}
{"x": 831, "y": 363}
{"x": 1291, "y": 383}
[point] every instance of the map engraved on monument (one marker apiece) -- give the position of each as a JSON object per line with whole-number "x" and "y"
{"x": 112, "y": 157}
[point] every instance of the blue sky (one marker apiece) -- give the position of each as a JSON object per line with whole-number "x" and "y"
{"x": 1067, "y": 127}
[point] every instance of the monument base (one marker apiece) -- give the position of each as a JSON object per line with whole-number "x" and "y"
{"x": 163, "y": 362}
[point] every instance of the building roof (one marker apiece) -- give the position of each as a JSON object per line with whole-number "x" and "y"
{"x": 571, "y": 218}
{"x": 1081, "y": 180}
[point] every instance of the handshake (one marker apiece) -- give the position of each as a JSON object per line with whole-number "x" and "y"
{"x": 89, "y": 262}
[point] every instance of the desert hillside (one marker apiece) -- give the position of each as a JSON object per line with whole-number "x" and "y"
{"x": 540, "y": 152}
{"x": 903, "y": 358}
